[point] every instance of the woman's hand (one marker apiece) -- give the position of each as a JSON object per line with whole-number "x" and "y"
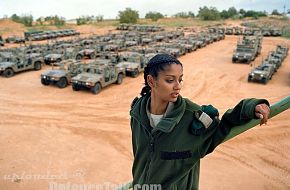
{"x": 262, "y": 111}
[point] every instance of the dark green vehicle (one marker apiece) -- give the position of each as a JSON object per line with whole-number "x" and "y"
{"x": 97, "y": 75}
{"x": 62, "y": 73}
{"x": 9, "y": 68}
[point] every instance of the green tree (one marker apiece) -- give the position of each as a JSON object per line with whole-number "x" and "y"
{"x": 206, "y": 13}
{"x": 27, "y": 20}
{"x": 275, "y": 12}
{"x": 154, "y": 16}
{"x": 128, "y": 16}
{"x": 232, "y": 11}
{"x": 99, "y": 18}
{"x": 242, "y": 12}
{"x": 184, "y": 15}
{"x": 224, "y": 14}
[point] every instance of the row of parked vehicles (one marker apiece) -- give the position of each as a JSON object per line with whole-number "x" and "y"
{"x": 250, "y": 31}
{"x": 264, "y": 72}
{"x": 110, "y": 46}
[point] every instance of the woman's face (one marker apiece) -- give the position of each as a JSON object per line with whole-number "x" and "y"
{"x": 167, "y": 86}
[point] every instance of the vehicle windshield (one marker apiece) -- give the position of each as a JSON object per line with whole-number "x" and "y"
{"x": 244, "y": 50}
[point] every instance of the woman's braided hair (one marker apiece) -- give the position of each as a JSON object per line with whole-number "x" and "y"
{"x": 154, "y": 66}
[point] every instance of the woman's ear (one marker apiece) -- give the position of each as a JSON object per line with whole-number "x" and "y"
{"x": 150, "y": 81}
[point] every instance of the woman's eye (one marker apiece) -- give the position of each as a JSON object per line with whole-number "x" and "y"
{"x": 169, "y": 81}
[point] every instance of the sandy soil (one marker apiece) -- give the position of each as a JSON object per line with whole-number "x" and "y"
{"x": 50, "y": 135}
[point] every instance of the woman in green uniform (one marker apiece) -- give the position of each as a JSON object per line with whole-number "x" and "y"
{"x": 170, "y": 134}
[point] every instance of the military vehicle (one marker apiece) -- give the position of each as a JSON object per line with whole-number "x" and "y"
{"x": 62, "y": 73}
{"x": 282, "y": 50}
{"x": 229, "y": 31}
{"x": 247, "y": 49}
{"x": 274, "y": 59}
{"x": 53, "y": 58}
{"x": 14, "y": 39}
{"x": 266, "y": 32}
{"x": 9, "y": 68}
{"x": 248, "y": 31}
{"x": 86, "y": 53}
{"x": 132, "y": 62}
{"x": 97, "y": 75}
{"x": 276, "y": 32}
{"x": 238, "y": 31}
{"x": 262, "y": 73}
{"x": 1, "y": 41}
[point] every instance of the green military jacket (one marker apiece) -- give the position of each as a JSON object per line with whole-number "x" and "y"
{"x": 169, "y": 154}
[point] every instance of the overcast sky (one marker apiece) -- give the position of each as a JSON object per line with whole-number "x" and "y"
{"x": 109, "y": 8}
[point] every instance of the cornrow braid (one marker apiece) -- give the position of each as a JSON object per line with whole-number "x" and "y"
{"x": 154, "y": 66}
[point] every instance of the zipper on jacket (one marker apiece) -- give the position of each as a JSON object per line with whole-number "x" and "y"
{"x": 151, "y": 153}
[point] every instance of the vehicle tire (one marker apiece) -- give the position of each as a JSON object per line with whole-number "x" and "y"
{"x": 120, "y": 78}
{"x": 96, "y": 89}
{"x": 264, "y": 81}
{"x": 249, "y": 79}
{"x": 37, "y": 66}
{"x": 79, "y": 57}
{"x": 8, "y": 73}
{"x": 62, "y": 83}
{"x": 135, "y": 73}
{"x": 44, "y": 82}
{"x": 92, "y": 56}
{"x": 75, "y": 87}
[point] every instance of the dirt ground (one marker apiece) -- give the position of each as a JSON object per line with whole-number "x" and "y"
{"x": 55, "y": 136}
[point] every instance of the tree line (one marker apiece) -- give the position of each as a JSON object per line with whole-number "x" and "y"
{"x": 131, "y": 16}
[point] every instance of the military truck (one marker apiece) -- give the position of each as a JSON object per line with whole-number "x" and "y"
{"x": 1, "y": 41}
{"x": 62, "y": 73}
{"x": 229, "y": 31}
{"x": 261, "y": 74}
{"x": 238, "y": 31}
{"x": 266, "y": 32}
{"x": 53, "y": 58}
{"x": 9, "y": 68}
{"x": 248, "y": 49}
{"x": 88, "y": 53}
{"x": 14, "y": 39}
{"x": 97, "y": 75}
{"x": 132, "y": 62}
{"x": 276, "y": 32}
{"x": 274, "y": 59}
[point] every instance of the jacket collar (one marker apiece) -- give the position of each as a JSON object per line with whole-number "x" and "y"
{"x": 167, "y": 123}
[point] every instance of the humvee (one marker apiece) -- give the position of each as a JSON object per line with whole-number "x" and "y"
{"x": 62, "y": 73}
{"x": 97, "y": 75}
{"x": 53, "y": 58}
{"x": 9, "y": 68}
{"x": 132, "y": 62}
{"x": 1, "y": 41}
{"x": 262, "y": 73}
{"x": 89, "y": 53}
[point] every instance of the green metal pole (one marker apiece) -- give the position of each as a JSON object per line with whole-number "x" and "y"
{"x": 276, "y": 109}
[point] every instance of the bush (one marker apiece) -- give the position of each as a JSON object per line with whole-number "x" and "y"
{"x": 154, "y": 16}
{"x": 24, "y": 19}
{"x": 206, "y": 13}
{"x": 128, "y": 16}
{"x": 184, "y": 15}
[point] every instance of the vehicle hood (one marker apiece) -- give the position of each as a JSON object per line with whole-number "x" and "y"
{"x": 126, "y": 64}
{"x": 6, "y": 64}
{"x": 87, "y": 77}
{"x": 259, "y": 72}
{"x": 55, "y": 73}
{"x": 53, "y": 55}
